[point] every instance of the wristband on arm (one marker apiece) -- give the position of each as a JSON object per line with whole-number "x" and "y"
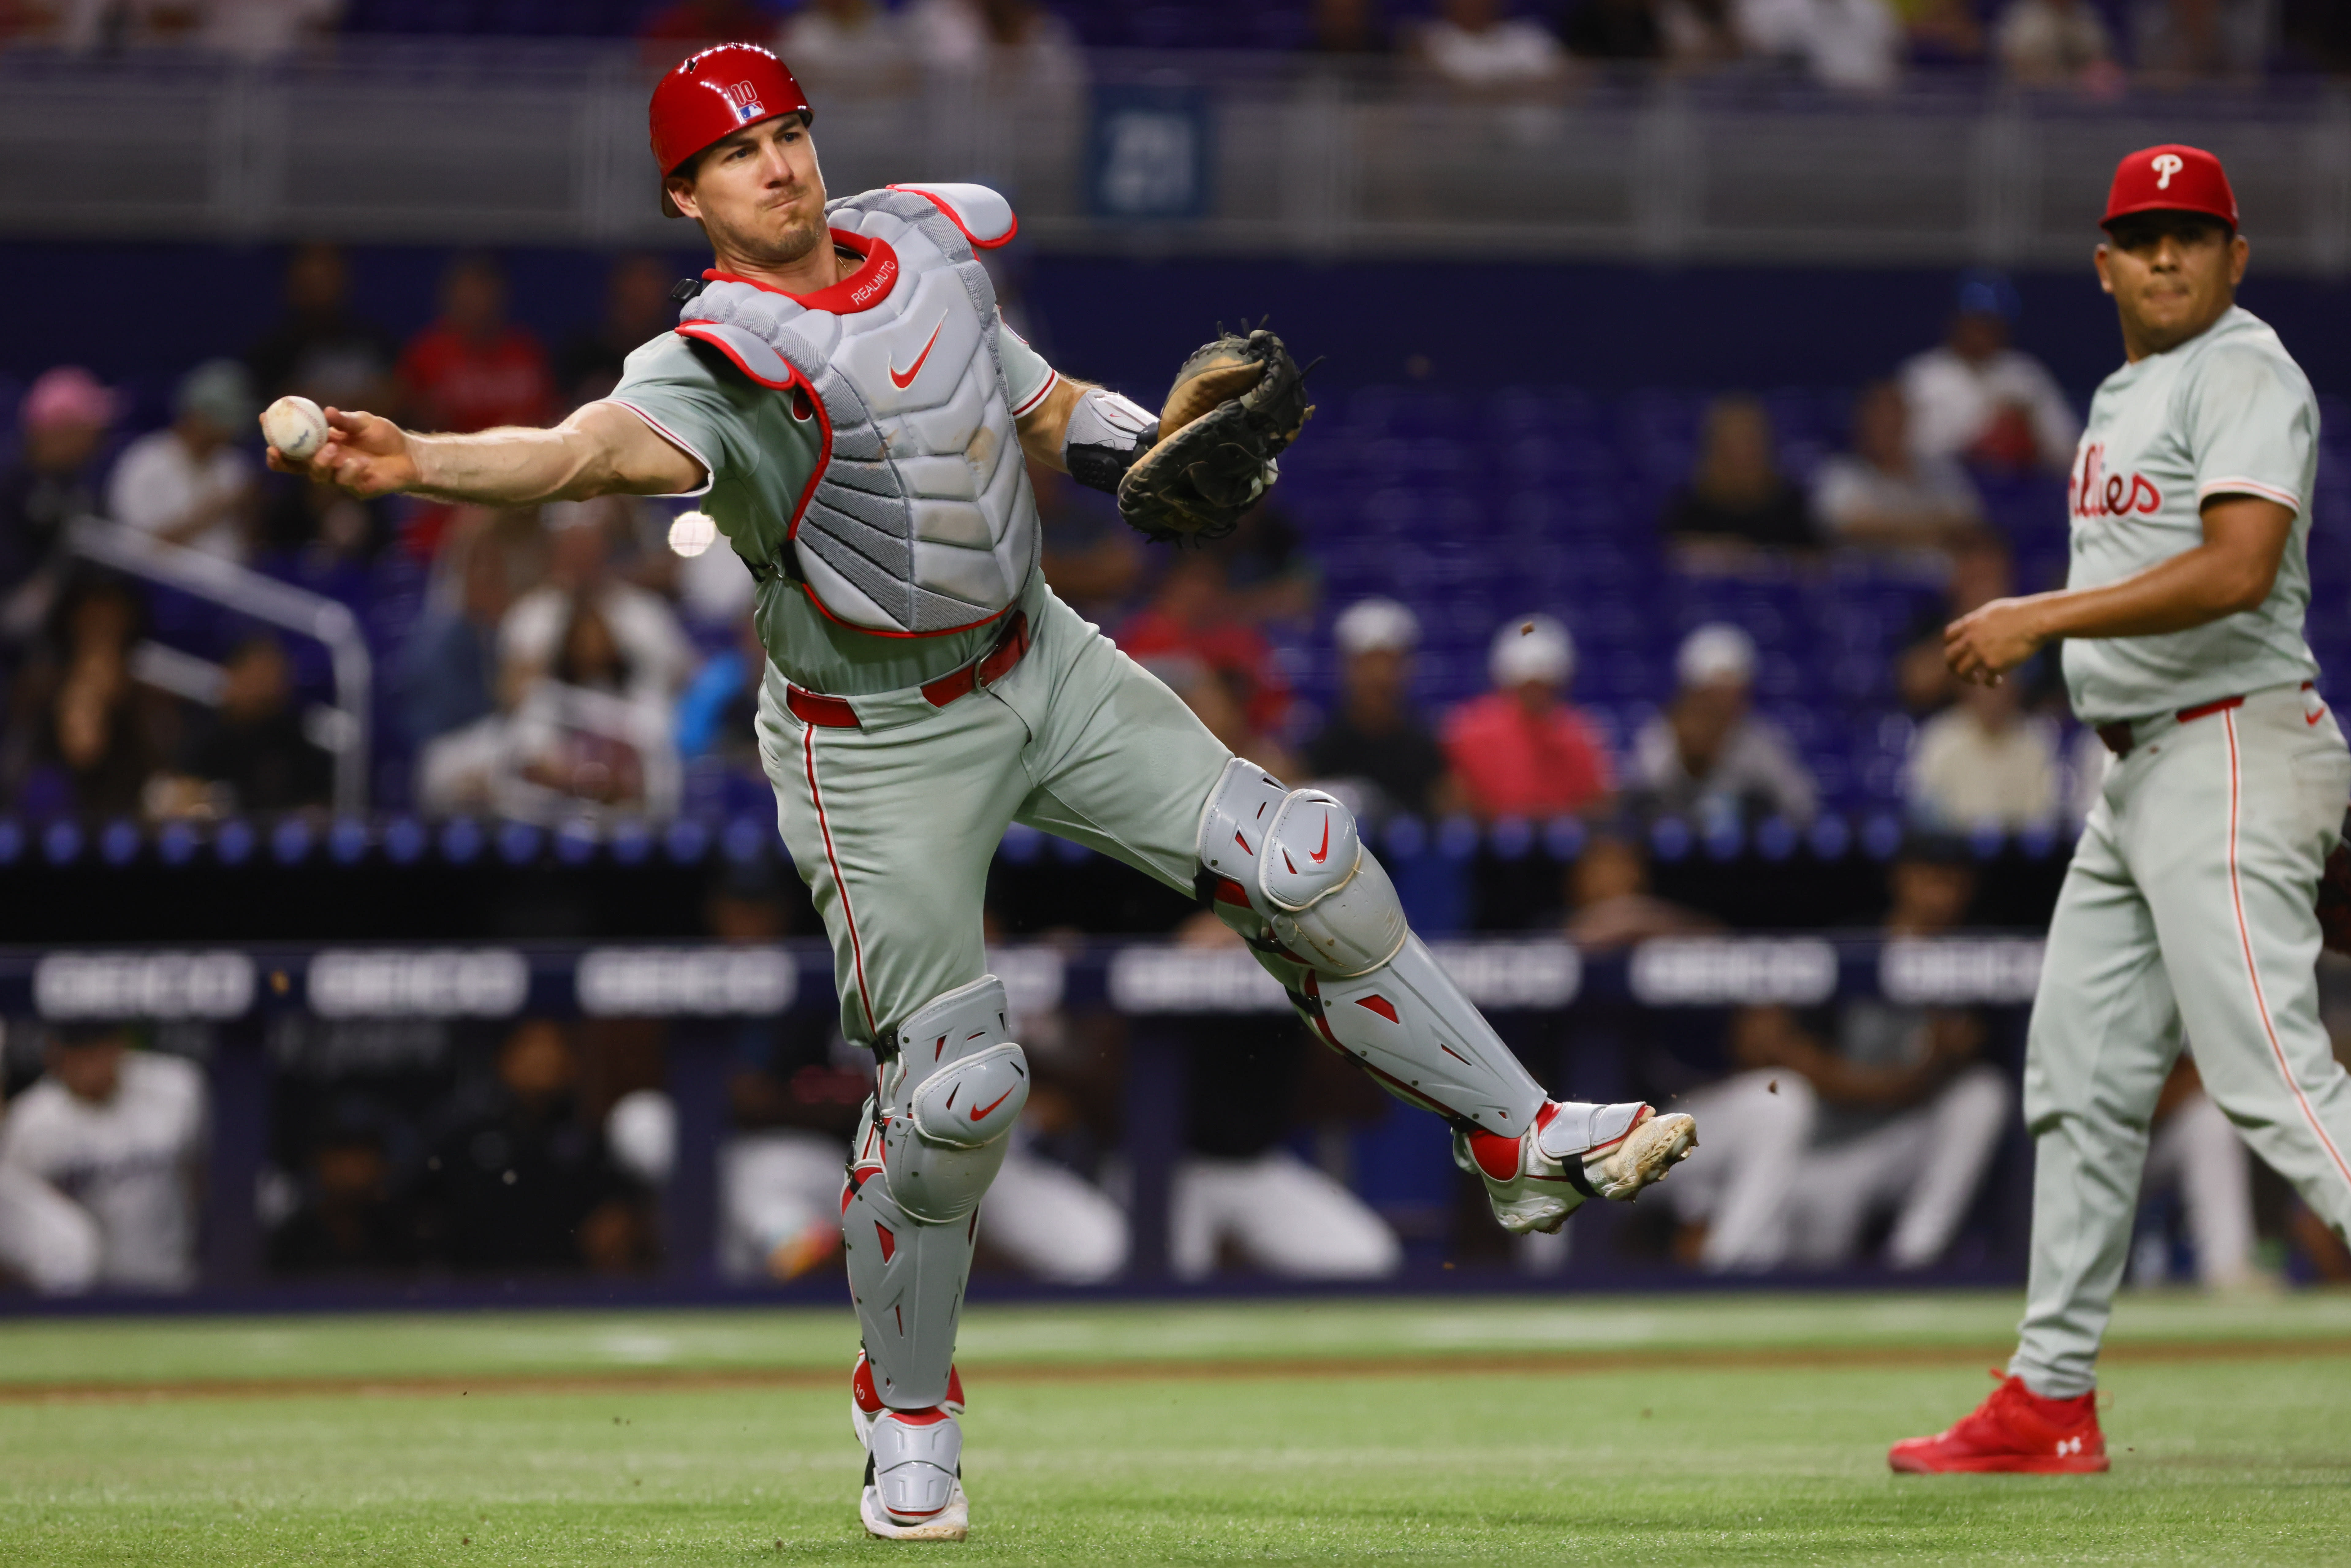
{"x": 1106, "y": 433}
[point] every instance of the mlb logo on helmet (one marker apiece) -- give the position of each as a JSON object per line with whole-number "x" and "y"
{"x": 745, "y": 100}
{"x": 2172, "y": 179}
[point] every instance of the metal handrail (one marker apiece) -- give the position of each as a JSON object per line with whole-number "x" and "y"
{"x": 248, "y": 592}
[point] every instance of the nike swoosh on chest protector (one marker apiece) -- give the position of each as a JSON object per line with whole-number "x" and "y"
{"x": 902, "y": 379}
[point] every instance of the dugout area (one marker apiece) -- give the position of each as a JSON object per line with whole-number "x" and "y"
{"x": 1616, "y": 1429}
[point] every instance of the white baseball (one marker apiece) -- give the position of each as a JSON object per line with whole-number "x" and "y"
{"x": 295, "y": 426}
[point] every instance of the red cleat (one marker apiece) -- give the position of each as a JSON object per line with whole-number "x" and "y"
{"x": 2014, "y": 1432}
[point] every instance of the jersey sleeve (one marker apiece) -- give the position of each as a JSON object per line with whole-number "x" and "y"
{"x": 1027, "y": 377}
{"x": 2252, "y": 424}
{"x": 671, "y": 388}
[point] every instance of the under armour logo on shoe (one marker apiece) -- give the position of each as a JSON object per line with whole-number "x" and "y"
{"x": 2073, "y": 1445}
{"x": 2165, "y": 165}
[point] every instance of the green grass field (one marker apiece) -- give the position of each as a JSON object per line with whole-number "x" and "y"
{"x": 1526, "y": 1430}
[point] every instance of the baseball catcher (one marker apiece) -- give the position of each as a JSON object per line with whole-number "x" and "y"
{"x": 843, "y": 393}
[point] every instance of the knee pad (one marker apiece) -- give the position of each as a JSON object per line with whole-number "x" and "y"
{"x": 1297, "y": 860}
{"x": 1294, "y": 859}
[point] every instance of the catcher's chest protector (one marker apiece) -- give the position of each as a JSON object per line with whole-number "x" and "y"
{"x": 920, "y": 520}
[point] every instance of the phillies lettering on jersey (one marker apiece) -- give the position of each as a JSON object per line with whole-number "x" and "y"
{"x": 2092, "y": 492}
{"x": 2226, "y": 413}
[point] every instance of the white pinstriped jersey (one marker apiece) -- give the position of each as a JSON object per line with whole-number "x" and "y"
{"x": 2227, "y": 413}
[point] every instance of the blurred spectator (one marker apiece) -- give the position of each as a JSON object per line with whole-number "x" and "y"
{"x": 1215, "y": 699}
{"x": 1699, "y": 33}
{"x": 1813, "y": 1141}
{"x": 119, "y": 1133}
{"x": 2051, "y": 43}
{"x": 1195, "y": 614}
{"x": 1883, "y": 494}
{"x": 1270, "y": 574}
{"x": 1853, "y": 44}
{"x": 845, "y": 45}
{"x": 718, "y": 708}
{"x": 2190, "y": 38}
{"x": 1091, "y": 558}
{"x": 1237, "y": 1192}
{"x": 46, "y": 1239}
{"x": 192, "y": 483}
{"x": 472, "y": 369}
{"x": 321, "y": 349}
{"x": 46, "y": 482}
{"x": 1377, "y": 742}
{"x": 687, "y": 23}
{"x": 1738, "y": 501}
{"x": 1614, "y": 30}
{"x": 637, "y": 309}
{"x": 1984, "y": 762}
{"x": 1707, "y": 758}
{"x": 588, "y": 621}
{"x": 514, "y": 1177}
{"x": 1982, "y": 571}
{"x": 87, "y": 738}
{"x": 1609, "y": 902}
{"x": 347, "y": 1220}
{"x": 447, "y": 675}
{"x": 1019, "y": 45}
{"x": 1977, "y": 398}
{"x": 1941, "y": 32}
{"x": 1521, "y": 750}
{"x": 262, "y": 29}
{"x": 588, "y": 665}
{"x": 1473, "y": 45}
{"x": 1349, "y": 27}
{"x": 252, "y": 754}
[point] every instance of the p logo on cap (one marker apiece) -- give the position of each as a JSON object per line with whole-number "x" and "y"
{"x": 2172, "y": 179}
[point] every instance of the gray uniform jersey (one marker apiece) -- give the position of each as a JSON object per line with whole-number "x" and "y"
{"x": 2227, "y": 413}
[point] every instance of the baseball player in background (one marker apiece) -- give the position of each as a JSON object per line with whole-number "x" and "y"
{"x": 842, "y": 390}
{"x": 2189, "y": 904}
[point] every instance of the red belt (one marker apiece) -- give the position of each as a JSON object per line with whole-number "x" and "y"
{"x": 2117, "y": 735}
{"x": 837, "y": 713}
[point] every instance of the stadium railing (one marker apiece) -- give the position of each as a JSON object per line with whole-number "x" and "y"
{"x": 1539, "y": 990}
{"x": 1157, "y": 154}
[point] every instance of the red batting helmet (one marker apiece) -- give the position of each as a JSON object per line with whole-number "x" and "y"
{"x": 2172, "y": 179}
{"x": 709, "y": 96}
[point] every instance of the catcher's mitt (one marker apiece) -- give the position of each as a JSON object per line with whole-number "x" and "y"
{"x": 1234, "y": 405}
{"x": 2335, "y": 895}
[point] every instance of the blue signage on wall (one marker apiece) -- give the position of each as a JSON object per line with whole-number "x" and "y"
{"x": 1148, "y": 157}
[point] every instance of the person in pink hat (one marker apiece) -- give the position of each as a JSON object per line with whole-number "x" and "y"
{"x": 2188, "y": 912}
{"x": 46, "y": 482}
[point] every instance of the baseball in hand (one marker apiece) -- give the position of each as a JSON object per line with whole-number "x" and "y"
{"x": 295, "y": 426}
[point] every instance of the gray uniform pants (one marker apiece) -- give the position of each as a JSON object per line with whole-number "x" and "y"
{"x": 2188, "y": 905}
{"x": 892, "y": 824}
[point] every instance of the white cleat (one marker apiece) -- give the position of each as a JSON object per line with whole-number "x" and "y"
{"x": 913, "y": 1478}
{"x": 1542, "y": 1175}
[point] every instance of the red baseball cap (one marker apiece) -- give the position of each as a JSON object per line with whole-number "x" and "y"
{"x": 710, "y": 96}
{"x": 2171, "y": 178}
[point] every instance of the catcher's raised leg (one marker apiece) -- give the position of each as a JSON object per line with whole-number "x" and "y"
{"x": 1287, "y": 869}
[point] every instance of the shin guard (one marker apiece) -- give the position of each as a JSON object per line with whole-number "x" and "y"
{"x": 933, "y": 1142}
{"x": 1289, "y": 871}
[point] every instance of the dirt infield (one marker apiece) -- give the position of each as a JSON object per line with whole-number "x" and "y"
{"x": 1555, "y": 1364}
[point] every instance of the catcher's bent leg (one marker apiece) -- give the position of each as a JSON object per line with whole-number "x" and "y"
{"x": 1287, "y": 869}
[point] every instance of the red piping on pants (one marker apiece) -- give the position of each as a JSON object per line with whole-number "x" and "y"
{"x": 2254, "y": 974}
{"x": 856, "y": 951}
